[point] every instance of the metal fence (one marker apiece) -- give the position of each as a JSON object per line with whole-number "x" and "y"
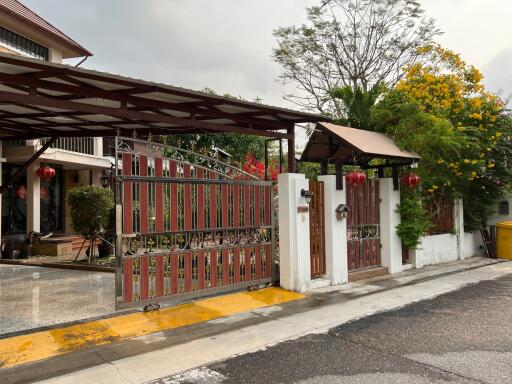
{"x": 83, "y": 145}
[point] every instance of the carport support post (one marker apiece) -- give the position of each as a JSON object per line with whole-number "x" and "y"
{"x": 119, "y": 230}
{"x": 291, "y": 149}
{"x": 33, "y": 198}
{"x": 294, "y": 253}
{"x": 391, "y": 252}
{"x": 336, "y": 261}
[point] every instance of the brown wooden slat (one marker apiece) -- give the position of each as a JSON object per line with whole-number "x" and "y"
{"x": 317, "y": 228}
{"x": 363, "y": 221}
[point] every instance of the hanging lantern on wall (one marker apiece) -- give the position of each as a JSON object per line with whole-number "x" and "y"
{"x": 411, "y": 180}
{"x": 21, "y": 192}
{"x": 356, "y": 178}
{"x": 46, "y": 173}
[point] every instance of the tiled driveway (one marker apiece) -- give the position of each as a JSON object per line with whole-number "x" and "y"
{"x": 33, "y": 297}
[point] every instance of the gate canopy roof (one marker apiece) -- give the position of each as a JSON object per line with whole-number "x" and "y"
{"x": 351, "y": 146}
{"x": 42, "y": 99}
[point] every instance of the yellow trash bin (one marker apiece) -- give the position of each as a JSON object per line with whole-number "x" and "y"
{"x": 504, "y": 239}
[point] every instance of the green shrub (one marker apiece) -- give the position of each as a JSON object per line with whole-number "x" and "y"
{"x": 414, "y": 220}
{"x": 90, "y": 209}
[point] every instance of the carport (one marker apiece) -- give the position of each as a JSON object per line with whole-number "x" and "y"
{"x": 41, "y": 99}
{"x": 48, "y": 100}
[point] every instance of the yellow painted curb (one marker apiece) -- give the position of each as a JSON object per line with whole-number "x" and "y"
{"x": 42, "y": 345}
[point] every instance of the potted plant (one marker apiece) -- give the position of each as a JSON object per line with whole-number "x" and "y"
{"x": 90, "y": 210}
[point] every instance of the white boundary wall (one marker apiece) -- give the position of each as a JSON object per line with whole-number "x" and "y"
{"x": 448, "y": 247}
{"x": 436, "y": 249}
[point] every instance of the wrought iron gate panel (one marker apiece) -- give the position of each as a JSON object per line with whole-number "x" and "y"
{"x": 191, "y": 225}
{"x": 317, "y": 228}
{"x": 363, "y": 225}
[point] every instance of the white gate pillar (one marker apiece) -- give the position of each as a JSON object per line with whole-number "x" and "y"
{"x": 336, "y": 261}
{"x": 391, "y": 252}
{"x": 294, "y": 252}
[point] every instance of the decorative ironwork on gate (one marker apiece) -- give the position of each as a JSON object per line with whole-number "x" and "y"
{"x": 363, "y": 225}
{"x": 191, "y": 225}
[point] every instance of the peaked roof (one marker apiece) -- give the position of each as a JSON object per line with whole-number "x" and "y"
{"x": 21, "y": 12}
{"x": 352, "y": 146}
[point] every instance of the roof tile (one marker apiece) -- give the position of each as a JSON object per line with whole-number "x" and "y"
{"x": 20, "y": 11}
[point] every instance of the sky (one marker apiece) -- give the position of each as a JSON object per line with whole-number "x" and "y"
{"x": 226, "y": 45}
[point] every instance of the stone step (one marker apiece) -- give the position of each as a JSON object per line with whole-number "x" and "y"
{"x": 367, "y": 274}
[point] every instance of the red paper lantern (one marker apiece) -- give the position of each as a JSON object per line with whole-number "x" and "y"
{"x": 356, "y": 178}
{"x": 411, "y": 180}
{"x": 46, "y": 173}
{"x": 21, "y": 191}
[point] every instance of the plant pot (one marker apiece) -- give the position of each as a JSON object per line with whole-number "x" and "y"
{"x": 105, "y": 250}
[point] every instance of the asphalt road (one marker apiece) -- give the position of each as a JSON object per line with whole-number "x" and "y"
{"x": 461, "y": 337}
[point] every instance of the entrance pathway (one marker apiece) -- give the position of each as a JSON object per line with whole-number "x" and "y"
{"x": 35, "y": 297}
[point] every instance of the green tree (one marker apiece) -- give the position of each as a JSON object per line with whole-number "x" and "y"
{"x": 350, "y": 43}
{"x": 357, "y": 104}
{"x": 441, "y": 110}
{"x": 236, "y": 145}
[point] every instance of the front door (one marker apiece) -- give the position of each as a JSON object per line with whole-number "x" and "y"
{"x": 14, "y": 202}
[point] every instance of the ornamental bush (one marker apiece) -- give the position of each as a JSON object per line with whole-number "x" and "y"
{"x": 415, "y": 223}
{"x": 441, "y": 110}
{"x": 90, "y": 209}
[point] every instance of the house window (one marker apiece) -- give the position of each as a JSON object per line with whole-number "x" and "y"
{"x": 20, "y": 43}
{"x": 503, "y": 208}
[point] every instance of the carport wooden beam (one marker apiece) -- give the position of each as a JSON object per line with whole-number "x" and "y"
{"x": 129, "y": 115}
{"x": 35, "y": 93}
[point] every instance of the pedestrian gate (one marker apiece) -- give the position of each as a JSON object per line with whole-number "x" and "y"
{"x": 317, "y": 228}
{"x": 188, "y": 225}
{"x": 363, "y": 225}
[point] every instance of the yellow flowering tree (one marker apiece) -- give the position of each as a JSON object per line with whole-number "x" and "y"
{"x": 442, "y": 110}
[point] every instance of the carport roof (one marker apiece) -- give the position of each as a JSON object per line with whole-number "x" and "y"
{"x": 42, "y": 99}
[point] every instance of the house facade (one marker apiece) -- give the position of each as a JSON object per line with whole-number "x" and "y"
{"x": 35, "y": 203}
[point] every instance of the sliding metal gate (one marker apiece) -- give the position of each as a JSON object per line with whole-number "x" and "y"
{"x": 187, "y": 225}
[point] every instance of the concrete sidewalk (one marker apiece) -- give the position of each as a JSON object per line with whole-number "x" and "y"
{"x": 149, "y": 357}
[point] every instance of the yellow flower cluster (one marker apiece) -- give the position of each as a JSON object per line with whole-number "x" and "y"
{"x": 443, "y": 83}
{"x": 446, "y": 87}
